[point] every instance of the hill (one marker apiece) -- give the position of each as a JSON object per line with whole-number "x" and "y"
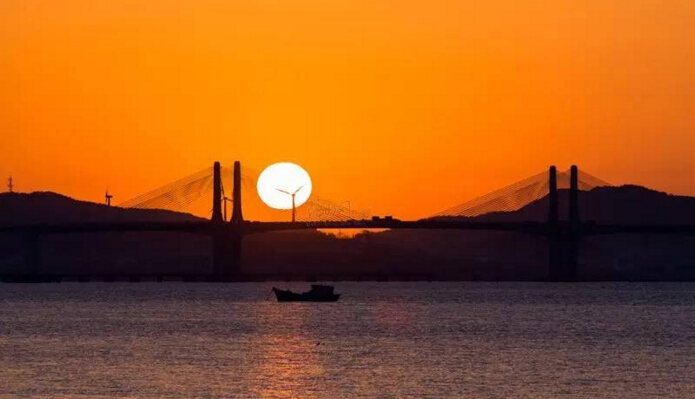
{"x": 399, "y": 254}
{"x": 49, "y": 207}
{"x": 612, "y": 205}
{"x": 606, "y": 205}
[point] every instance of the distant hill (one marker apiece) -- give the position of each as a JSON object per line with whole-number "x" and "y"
{"x": 492, "y": 255}
{"x": 611, "y": 205}
{"x": 620, "y": 205}
{"x": 436, "y": 254}
{"x": 49, "y": 208}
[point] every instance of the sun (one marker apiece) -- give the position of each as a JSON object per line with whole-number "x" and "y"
{"x": 282, "y": 182}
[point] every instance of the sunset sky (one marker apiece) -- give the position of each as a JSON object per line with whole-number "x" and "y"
{"x": 404, "y": 107}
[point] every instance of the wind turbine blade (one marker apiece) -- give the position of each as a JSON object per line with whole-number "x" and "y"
{"x": 301, "y": 187}
{"x": 283, "y": 191}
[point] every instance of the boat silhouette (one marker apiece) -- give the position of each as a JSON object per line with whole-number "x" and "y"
{"x": 318, "y": 293}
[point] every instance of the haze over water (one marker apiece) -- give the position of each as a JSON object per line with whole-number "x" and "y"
{"x": 477, "y": 340}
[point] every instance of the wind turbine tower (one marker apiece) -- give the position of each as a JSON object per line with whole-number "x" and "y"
{"x": 294, "y": 207}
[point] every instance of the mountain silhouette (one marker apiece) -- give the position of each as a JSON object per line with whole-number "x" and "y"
{"x": 50, "y": 208}
{"x": 629, "y": 204}
{"x": 394, "y": 254}
{"x": 625, "y": 205}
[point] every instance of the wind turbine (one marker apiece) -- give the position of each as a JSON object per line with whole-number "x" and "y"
{"x": 107, "y": 198}
{"x": 225, "y": 199}
{"x": 294, "y": 208}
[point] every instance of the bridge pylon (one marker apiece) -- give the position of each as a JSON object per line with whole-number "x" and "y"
{"x": 237, "y": 216}
{"x": 216, "y": 193}
{"x": 574, "y": 235}
{"x": 554, "y": 249}
{"x": 553, "y": 213}
{"x": 226, "y": 239}
{"x": 574, "y": 197}
{"x": 563, "y": 237}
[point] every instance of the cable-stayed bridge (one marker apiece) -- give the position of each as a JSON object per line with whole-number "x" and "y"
{"x": 563, "y": 233}
{"x": 517, "y": 195}
{"x": 196, "y": 189}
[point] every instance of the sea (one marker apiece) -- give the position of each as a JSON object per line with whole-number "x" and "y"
{"x": 381, "y": 340}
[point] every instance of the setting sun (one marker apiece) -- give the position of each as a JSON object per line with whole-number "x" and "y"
{"x": 284, "y": 185}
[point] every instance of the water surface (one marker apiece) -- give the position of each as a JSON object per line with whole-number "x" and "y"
{"x": 382, "y": 340}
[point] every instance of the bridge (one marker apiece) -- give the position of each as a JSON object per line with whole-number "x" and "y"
{"x": 563, "y": 235}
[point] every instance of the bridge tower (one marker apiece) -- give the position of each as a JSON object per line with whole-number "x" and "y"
{"x": 216, "y": 193}
{"x": 573, "y": 235}
{"x": 552, "y": 196}
{"x": 227, "y": 238}
{"x": 237, "y": 216}
{"x": 574, "y": 196}
{"x": 554, "y": 248}
{"x": 563, "y": 237}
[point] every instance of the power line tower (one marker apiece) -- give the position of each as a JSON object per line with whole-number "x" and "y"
{"x": 107, "y": 198}
{"x": 10, "y": 185}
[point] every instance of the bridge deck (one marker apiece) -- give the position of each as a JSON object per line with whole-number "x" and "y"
{"x": 209, "y": 228}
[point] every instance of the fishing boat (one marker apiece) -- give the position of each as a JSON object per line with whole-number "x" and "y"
{"x": 318, "y": 293}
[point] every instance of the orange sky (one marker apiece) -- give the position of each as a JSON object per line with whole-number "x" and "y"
{"x": 403, "y": 107}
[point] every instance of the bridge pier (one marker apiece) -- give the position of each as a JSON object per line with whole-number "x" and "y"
{"x": 563, "y": 246}
{"x": 227, "y": 237}
{"x": 572, "y": 257}
{"x": 563, "y": 238}
{"x": 32, "y": 256}
{"x": 226, "y": 256}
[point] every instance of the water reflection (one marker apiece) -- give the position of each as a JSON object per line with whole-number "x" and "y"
{"x": 288, "y": 361}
